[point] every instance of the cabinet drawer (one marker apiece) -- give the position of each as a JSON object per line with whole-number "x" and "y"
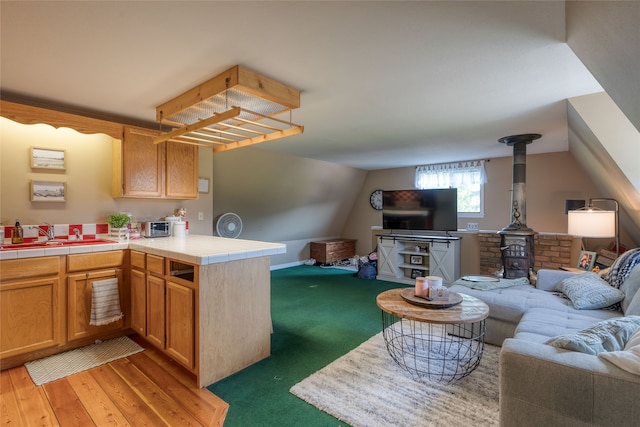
{"x": 31, "y": 267}
{"x": 138, "y": 260}
{"x": 155, "y": 264}
{"x": 83, "y": 262}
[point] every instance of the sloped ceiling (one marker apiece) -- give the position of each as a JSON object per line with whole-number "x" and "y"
{"x": 603, "y": 136}
{"x": 384, "y": 84}
{"x": 606, "y": 37}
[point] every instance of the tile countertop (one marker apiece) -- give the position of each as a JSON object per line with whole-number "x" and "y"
{"x": 203, "y": 250}
{"x": 195, "y": 249}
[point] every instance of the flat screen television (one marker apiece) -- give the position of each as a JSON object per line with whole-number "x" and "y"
{"x": 434, "y": 209}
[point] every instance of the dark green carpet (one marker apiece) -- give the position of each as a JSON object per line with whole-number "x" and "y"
{"x": 319, "y": 314}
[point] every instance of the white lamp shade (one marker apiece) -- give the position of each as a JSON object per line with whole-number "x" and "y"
{"x": 592, "y": 223}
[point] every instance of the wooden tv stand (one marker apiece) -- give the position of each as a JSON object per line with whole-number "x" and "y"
{"x": 403, "y": 257}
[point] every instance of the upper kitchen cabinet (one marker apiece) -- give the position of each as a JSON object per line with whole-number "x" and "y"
{"x": 142, "y": 169}
{"x": 181, "y": 172}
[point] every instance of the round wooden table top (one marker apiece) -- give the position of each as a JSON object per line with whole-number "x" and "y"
{"x": 470, "y": 310}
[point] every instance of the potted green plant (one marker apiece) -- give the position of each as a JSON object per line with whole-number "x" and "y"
{"x": 118, "y": 225}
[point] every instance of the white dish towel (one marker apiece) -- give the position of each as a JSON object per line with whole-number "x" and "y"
{"x": 105, "y": 302}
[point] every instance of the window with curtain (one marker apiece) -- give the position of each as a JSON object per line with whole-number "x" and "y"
{"x": 468, "y": 177}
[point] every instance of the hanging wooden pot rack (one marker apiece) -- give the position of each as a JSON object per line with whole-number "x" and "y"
{"x": 235, "y": 109}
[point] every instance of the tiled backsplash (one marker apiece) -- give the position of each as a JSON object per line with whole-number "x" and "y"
{"x": 30, "y": 232}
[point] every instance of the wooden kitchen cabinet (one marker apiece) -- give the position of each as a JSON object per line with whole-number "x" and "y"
{"x": 79, "y": 292}
{"x": 142, "y": 169}
{"x": 83, "y": 270}
{"x": 155, "y": 311}
{"x": 31, "y": 310}
{"x": 181, "y": 171}
{"x": 163, "y": 305}
{"x": 138, "y": 283}
{"x": 180, "y": 323}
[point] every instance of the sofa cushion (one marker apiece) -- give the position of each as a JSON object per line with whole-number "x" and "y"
{"x": 607, "y": 335}
{"x": 630, "y": 288}
{"x": 628, "y": 358}
{"x": 587, "y": 291}
{"x": 510, "y": 304}
{"x": 540, "y": 324}
{"x": 633, "y": 309}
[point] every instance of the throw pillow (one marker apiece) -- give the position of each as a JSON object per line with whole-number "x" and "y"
{"x": 633, "y": 309}
{"x": 627, "y": 359}
{"x": 630, "y": 288}
{"x": 608, "y": 335}
{"x": 587, "y": 291}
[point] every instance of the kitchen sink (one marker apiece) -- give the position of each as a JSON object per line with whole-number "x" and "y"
{"x": 54, "y": 243}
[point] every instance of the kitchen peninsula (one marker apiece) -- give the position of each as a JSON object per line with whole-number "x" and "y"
{"x": 203, "y": 300}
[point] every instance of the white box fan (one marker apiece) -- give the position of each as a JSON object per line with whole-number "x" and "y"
{"x": 229, "y": 225}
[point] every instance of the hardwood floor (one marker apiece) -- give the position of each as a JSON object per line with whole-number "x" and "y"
{"x": 145, "y": 389}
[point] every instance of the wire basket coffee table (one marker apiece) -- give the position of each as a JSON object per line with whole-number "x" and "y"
{"x": 441, "y": 344}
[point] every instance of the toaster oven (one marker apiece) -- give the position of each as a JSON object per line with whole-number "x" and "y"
{"x": 157, "y": 229}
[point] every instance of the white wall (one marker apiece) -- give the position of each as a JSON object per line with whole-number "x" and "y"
{"x": 283, "y": 198}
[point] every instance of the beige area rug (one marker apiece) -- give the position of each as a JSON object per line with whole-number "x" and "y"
{"x": 70, "y": 362}
{"x": 367, "y": 388}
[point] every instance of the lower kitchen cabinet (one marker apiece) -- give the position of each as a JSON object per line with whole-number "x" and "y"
{"x": 155, "y": 311}
{"x": 29, "y": 326}
{"x": 79, "y": 290}
{"x": 163, "y": 305}
{"x": 30, "y": 306}
{"x": 82, "y": 271}
{"x": 180, "y": 323}
{"x": 137, "y": 280}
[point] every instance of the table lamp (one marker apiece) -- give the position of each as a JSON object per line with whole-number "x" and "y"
{"x": 594, "y": 222}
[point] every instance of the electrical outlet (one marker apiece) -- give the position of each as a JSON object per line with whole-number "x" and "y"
{"x": 472, "y": 226}
{"x": 200, "y": 216}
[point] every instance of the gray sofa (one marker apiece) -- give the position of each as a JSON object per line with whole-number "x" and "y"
{"x": 542, "y": 385}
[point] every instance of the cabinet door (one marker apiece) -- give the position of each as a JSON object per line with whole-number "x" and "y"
{"x": 388, "y": 260}
{"x": 29, "y": 315}
{"x": 79, "y": 292}
{"x": 142, "y": 164}
{"x": 155, "y": 311}
{"x": 181, "y": 171}
{"x": 138, "y": 302}
{"x": 181, "y": 324}
{"x": 442, "y": 261}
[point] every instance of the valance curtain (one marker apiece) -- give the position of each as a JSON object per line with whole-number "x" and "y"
{"x": 447, "y": 175}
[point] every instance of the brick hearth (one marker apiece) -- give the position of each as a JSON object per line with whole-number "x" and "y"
{"x": 550, "y": 250}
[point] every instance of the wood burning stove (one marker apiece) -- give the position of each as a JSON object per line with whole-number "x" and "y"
{"x": 516, "y": 239}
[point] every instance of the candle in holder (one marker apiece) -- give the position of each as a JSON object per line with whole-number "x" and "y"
{"x": 422, "y": 286}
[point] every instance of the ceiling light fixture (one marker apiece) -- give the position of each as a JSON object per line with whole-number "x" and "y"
{"x": 237, "y": 108}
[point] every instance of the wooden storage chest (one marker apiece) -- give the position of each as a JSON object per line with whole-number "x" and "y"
{"x": 328, "y": 251}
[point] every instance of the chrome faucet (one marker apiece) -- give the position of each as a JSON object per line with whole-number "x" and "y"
{"x": 49, "y": 234}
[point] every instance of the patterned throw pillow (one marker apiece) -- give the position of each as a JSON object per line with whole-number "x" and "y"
{"x": 608, "y": 335}
{"x": 587, "y": 291}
